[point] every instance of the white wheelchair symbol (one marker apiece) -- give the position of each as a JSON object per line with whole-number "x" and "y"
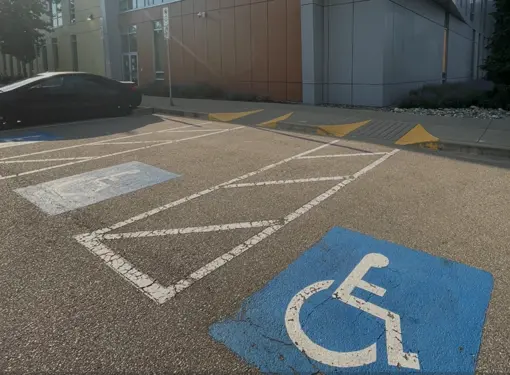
{"x": 395, "y": 350}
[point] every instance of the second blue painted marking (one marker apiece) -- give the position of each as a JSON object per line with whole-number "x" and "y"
{"x": 440, "y": 306}
{"x": 30, "y": 137}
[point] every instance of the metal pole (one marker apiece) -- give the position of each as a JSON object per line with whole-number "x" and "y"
{"x": 166, "y": 32}
{"x": 169, "y": 72}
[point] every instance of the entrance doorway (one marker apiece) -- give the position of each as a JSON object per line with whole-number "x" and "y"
{"x": 130, "y": 66}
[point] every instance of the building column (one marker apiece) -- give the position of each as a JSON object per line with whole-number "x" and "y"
{"x": 312, "y": 45}
{"x": 110, "y": 34}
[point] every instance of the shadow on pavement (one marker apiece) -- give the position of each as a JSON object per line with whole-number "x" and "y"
{"x": 79, "y": 130}
{"x": 493, "y": 161}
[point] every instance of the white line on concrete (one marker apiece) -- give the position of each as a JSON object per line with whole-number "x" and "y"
{"x": 118, "y": 153}
{"x": 83, "y": 144}
{"x": 206, "y": 191}
{"x": 343, "y": 155}
{"x": 283, "y": 182}
{"x": 44, "y": 160}
{"x": 130, "y": 142}
{"x": 249, "y": 243}
{"x": 161, "y": 294}
{"x": 187, "y": 131}
{"x": 16, "y": 144}
{"x": 204, "y": 229}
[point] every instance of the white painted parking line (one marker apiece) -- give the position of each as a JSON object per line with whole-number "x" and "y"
{"x": 117, "y": 153}
{"x": 249, "y": 243}
{"x": 15, "y": 144}
{"x": 206, "y": 191}
{"x": 81, "y": 145}
{"x": 43, "y": 160}
{"x": 159, "y": 293}
{"x": 130, "y": 142}
{"x": 187, "y": 131}
{"x": 343, "y": 155}
{"x": 284, "y": 182}
{"x": 203, "y": 229}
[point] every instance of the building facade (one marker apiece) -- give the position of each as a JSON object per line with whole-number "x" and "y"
{"x": 76, "y": 42}
{"x": 373, "y": 52}
{"x": 359, "y": 52}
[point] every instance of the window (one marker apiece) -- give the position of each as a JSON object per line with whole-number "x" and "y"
{"x": 11, "y": 65}
{"x": 50, "y": 83}
{"x": 56, "y": 13}
{"x": 74, "y": 52}
{"x": 4, "y": 63}
{"x": 88, "y": 84}
{"x": 129, "y": 41}
{"x": 72, "y": 11}
{"x": 44, "y": 53}
{"x": 472, "y": 10}
{"x": 138, "y": 4}
{"x": 18, "y": 67}
{"x": 54, "y": 47}
{"x": 159, "y": 50}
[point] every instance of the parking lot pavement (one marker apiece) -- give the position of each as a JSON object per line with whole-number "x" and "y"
{"x": 125, "y": 240}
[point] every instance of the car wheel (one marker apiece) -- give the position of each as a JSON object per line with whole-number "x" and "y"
{"x": 6, "y": 122}
{"x": 123, "y": 110}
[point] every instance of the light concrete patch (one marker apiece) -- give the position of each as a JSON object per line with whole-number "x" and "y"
{"x": 81, "y": 190}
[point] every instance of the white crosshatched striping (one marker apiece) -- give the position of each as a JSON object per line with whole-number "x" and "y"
{"x": 115, "y": 153}
{"x": 159, "y": 293}
{"x": 43, "y": 160}
{"x": 188, "y": 131}
{"x": 343, "y": 155}
{"x": 204, "y": 229}
{"x": 284, "y": 182}
{"x": 83, "y": 145}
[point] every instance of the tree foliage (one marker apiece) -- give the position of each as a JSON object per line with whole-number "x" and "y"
{"x": 22, "y": 27}
{"x": 498, "y": 62}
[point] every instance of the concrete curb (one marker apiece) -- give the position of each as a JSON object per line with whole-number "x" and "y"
{"x": 296, "y": 127}
{"x": 452, "y": 146}
{"x": 143, "y": 111}
{"x": 467, "y": 148}
{"x": 181, "y": 113}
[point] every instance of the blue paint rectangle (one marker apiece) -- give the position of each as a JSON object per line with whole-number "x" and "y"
{"x": 26, "y": 139}
{"x": 353, "y": 303}
{"x": 70, "y": 193}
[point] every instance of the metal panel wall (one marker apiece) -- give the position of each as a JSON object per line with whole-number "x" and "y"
{"x": 246, "y": 46}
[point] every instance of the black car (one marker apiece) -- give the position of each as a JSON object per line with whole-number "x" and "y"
{"x": 65, "y": 96}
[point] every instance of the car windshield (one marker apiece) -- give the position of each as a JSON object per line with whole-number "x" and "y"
{"x": 20, "y": 83}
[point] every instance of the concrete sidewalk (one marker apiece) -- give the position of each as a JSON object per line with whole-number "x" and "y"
{"x": 483, "y": 136}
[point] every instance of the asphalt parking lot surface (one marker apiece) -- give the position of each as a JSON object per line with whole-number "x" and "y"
{"x": 102, "y": 270}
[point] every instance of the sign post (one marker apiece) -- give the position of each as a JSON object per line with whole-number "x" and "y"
{"x": 166, "y": 33}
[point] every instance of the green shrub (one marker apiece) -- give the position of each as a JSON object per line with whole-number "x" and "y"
{"x": 456, "y": 95}
{"x": 499, "y": 97}
{"x": 459, "y": 95}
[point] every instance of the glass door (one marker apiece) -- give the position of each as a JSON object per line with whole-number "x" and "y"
{"x": 130, "y": 66}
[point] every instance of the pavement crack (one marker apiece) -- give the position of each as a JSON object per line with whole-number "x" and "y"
{"x": 315, "y": 308}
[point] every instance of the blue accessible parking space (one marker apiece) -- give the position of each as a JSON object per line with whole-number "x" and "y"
{"x": 355, "y": 303}
{"x": 25, "y": 139}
